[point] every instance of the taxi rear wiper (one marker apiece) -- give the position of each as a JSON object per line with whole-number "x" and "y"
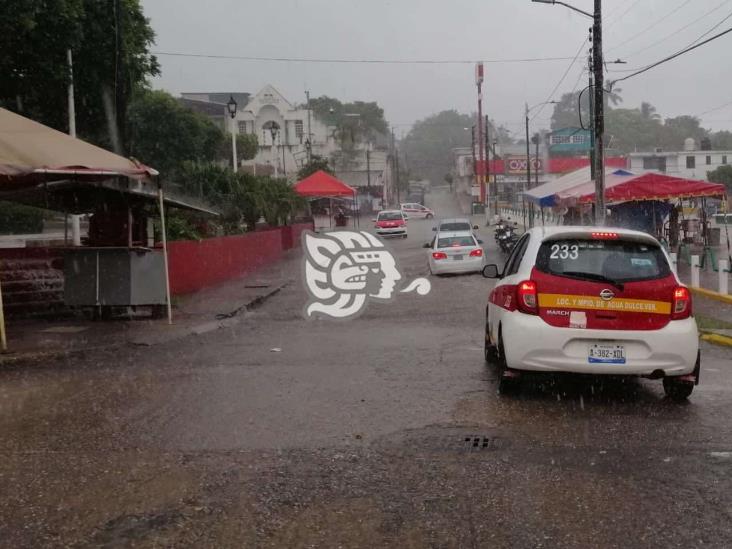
{"x": 593, "y": 276}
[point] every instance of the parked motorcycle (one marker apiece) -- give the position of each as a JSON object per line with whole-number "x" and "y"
{"x": 506, "y": 236}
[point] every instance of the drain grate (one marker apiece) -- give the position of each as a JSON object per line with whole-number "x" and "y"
{"x": 477, "y": 442}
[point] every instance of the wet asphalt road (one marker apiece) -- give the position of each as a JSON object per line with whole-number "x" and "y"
{"x": 354, "y": 435}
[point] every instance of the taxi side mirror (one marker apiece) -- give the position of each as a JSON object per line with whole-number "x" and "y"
{"x": 475, "y": 227}
{"x": 434, "y": 228}
{"x": 480, "y": 241}
{"x": 427, "y": 245}
{"x": 373, "y": 219}
{"x": 491, "y": 271}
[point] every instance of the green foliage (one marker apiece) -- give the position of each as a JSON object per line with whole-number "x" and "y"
{"x": 350, "y": 129}
{"x": 35, "y": 36}
{"x": 429, "y": 144}
{"x": 242, "y": 198}
{"x": 164, "y": 134}
{"x": 179, "y": 226}
{"x": 640, "y": 129}
{"x": 19, "y": 219}
{"x": 723, "y": 175}
{"x": 566, "y": 112}
{"x": 247, "y": 145}
{"x": 316, "y": 163}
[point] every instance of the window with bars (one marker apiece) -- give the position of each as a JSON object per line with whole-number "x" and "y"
{"x": 299, "y": 130}
{"x": 242, "y": 126}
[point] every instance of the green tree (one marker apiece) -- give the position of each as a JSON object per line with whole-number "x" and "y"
{"x": 111, "y": 61}
{"x": 629, "y": 130}
{"x": 316, "y": 163}
{"x": 648, "y": 111}
{"x": 429, "y": 144}
{"x": 723, "y": 175}
{"x": 566, "y": 113}
{"x": 164, "y": 134}
{"x": 350, "y": 129}
{"x": 676, "y": 130}
{"x": 722, "y": 140}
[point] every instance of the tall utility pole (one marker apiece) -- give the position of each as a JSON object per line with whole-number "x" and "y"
{"x": 528, "y": 165}
{"x": 309, "y": 141}
{"x": 395, "y": 167}
{"x": 368, "y": 166}
{"x": 599, "y": 122}
{"x": 472, "y": 151}
{"x": 75, "y": 219}
{"x": 479, "y": 83}
{"x": 591, "y": 90}
{"x": 486, "y": 137}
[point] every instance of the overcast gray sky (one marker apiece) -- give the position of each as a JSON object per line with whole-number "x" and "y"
{"x": 439, "y": 30}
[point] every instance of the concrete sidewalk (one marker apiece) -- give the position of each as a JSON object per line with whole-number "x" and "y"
{"x": 195, "y": 314}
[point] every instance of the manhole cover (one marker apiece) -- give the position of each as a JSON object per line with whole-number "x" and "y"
{"x": 479, "y": 442}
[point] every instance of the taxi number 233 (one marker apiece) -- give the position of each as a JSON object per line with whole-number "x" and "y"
{"x": 564, "y": 251}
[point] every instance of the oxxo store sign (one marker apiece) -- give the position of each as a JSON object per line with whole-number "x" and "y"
{"x": 515, "y": 165}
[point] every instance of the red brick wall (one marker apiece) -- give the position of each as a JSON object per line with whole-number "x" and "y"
{"x": 198, "y": 264}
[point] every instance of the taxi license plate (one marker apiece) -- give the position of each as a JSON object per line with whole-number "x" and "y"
{"x": 457, "y": 257}
{"x": 606, "y": 353}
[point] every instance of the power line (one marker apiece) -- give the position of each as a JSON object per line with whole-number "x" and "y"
{"x": 649, "y": 27}
{"x": 677, "y": 31}
{"x": 690, "y": 43}
{"x": 363, "y": 61}
{"x": 671, "y": 57}
{"x": 713, "y": 109}
{"x": 612, "y": 23}
{"x": 569, "y": 68}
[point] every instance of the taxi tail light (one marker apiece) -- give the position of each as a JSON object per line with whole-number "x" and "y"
{"x": 527, "y": 297}
{"x": 604, "y": 235}
{"x": 476, "y": 253}
{"x": 681, "y": 306}
{"x": 439, "y": 255}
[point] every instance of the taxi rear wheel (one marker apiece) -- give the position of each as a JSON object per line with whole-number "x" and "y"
{"x": 677, "y": 389}
{"x": 490, "y": 352}
{"x": 507, "y": 384}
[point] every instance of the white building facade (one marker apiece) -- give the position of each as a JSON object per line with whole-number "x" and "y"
{"x": 689, "y": 163}
{"x": 284, "y": 132}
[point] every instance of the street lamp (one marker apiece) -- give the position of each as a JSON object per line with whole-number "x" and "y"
{"x": 563, "y": 4}
{"x": 231, "y": 107}
{"x": 599, "y": 107}
{"x": 273, "y": 131}
{"x": 528, "y": 153}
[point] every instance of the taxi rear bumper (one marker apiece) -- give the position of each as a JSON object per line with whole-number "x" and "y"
{"x": 532, "y": 344}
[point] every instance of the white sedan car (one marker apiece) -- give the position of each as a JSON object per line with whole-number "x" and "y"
{"x": 417, "y": 211}
{"x": 591, "y": 301}
{"x": 455, "y": 252}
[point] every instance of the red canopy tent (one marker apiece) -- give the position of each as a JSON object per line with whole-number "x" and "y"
{"x": 656, "y": 186}
{"x": 323, "y": 185}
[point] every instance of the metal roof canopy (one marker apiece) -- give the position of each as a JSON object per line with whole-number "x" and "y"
{"x": 82, "y": 196}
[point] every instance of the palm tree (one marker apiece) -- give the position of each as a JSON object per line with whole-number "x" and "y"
{"x": 648, "y": 111}
{"x": 612, "y": 97}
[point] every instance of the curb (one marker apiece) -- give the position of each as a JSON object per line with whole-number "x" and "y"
{"x": 712, "y": 295}
{"x": 717, "y": 339}
{"x": 222, "y": 321}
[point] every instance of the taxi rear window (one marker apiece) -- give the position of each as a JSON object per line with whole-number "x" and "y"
{"x": 618, "y": 260}
{"x": 390, "y": 216}
{"x": 455, "y": 226}
{"x": 455, "y": 241}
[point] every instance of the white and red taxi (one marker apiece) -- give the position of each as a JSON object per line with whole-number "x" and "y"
{"x": 391, "y": 223}
{"x": 592, "y": 301}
